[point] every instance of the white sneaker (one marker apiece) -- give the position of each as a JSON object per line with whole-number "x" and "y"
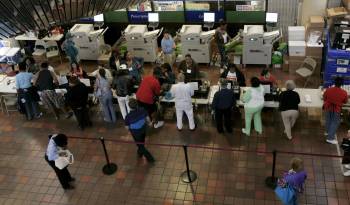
{"x": 159, "y": 124}
{"x": 347, "y": 173}
{"x": 332, "y": 142}
{"x": 347, "y": 166}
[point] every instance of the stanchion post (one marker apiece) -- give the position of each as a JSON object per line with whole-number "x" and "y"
{"x": 109, "y": 168}
{"x": 188, "y": 176}
{"x": 271, "y": 181}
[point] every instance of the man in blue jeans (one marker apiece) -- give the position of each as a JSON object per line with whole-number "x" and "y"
{"x": 136, "y": 122}
{"x": 334, "y": 98}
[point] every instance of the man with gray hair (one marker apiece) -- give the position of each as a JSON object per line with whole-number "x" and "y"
{"x": 289, "y": 107}
{"x": 182, "y": 94}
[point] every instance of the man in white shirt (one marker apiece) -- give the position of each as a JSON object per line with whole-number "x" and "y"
{"x": 182, "y": 94}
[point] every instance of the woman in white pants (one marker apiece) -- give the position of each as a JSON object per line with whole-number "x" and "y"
{"x": 122, "y": 84}
{"x": 289, "y": 107}
{"x": 182, "y": 94}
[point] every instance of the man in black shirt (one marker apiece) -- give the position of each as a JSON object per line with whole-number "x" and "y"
{"x": 223, "y": 102}
{"x": 77, "y": 98}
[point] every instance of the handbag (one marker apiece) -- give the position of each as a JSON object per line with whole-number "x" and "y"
{"x": 286, "y": 194}
{"x": 63, "y": 161}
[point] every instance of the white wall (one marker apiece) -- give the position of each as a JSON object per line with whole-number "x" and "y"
{"x": 312, "y": 8}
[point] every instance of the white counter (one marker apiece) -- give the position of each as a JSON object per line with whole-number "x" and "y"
{"x": 23, "y": 37}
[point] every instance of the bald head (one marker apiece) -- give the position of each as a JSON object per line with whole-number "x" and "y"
{"x": 181, "y": 78}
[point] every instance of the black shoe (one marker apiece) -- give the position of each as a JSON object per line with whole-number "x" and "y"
{"x": 69, "y": 115}
{"x": 220, "y": 131}
{"x": 139, "y": 155}
{"x": 72, "y": 179}
{"x": 69, "y": 187}
{"x": 150, "y": 159}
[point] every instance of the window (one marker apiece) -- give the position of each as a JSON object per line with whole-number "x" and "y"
{"x": 168, "y": 6}
{"x": 144, "y": 6}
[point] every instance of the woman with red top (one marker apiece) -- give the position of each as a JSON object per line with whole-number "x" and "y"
{"x": 76, "y": 70}
{"x": 267, "y": 78}
{"x": 333, "y": 99}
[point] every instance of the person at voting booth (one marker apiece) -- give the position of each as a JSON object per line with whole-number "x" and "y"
{"x": 134, "y": 66}
{"x": 46, "y": 81}
{"x": 58, "y": 157}
{"x": 27, "y": 94}
{"x": 334, "y": 98}
{"x": 122, "y": 83}
{"x": 168, "y": 48}
{"x": 104, "y": 94}
{"x": 253, "y": 104}
{"x": 189, "y": 68}
{"x": 233, "y": 74}
{"x": 182, "y": 94}
{"x": 77, "y": 99}
{"x": 289, "y": 107}
{"x": 223, "y": 102}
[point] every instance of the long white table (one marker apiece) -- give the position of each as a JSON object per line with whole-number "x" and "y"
{"x": 315, "y": 94}
{"x": 24, "y": 37}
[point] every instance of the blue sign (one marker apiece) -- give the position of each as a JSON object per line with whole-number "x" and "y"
{"x": 198, "y": 16}
{"x": 87, "y": 20}
{"x": 138, "y": 16}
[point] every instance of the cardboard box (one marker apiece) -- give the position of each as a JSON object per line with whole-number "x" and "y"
{"x": 314, "y": 51}
{"x": 316, "y": 22}
{"x": 347, "y": 4}
{"x": 337, "y": 11}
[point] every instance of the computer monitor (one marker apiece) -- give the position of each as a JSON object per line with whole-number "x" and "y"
{"x": 209, "y": 17}
{"x": 271, "y": 17}
{"x": 99, "y": 18}
{"x": 153, "y": 17}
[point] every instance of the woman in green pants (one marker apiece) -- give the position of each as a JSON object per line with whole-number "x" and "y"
{"x": 253, "y": 103}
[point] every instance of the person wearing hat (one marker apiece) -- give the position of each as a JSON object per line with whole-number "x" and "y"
{"x": 57, "y": 143}
{"x": 223, "y": 102}
{"x": 77, "y": 98}
{"x": 122, "y": 83}
{"x": 168, "y": 48}
{"x": 182, "y": 94}
{"x": 136, "y": 122}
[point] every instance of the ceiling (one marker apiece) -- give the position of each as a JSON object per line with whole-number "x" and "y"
{"x": 18, "y": 16}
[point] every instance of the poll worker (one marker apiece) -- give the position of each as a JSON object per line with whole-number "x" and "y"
{"x": 168, "y": 48}
{"x": 182, "y": 94}
{"x": 57, "y": 144}
{"x": 334, "y": 98}
{"x": 77, "y": 70}
{"x": 77, "y": 98}
{"x": 136, "y": 122}
{"x": 221, "y": 38}
{"x": 253, "y": 100}
{"x": 223, "y": 102}
{"x": 267, "y": 78}
{"x": 147, "y": 95}
{"x": 134, "y": 65}
{"x": 234, "y": 74}
{"x": 189, "y": 68}
{"x": 31, "y": 66}
{"x": 168, "y": 75}
{"x": 27, "y": 94}
{"x": 115, "y": 60}
{"x": 289, "y": 107}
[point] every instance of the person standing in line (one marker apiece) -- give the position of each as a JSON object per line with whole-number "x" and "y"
{"x": 77, "y": 98}
{"x": 104, "y": 94}
{"x": 26, "y": 93}
{"x": 122, "y": 84}
{"x": 136, "y": 122}
{"x": 68, "y": 46}
{"x": 253, "y": 104}
{"x": 57, "y": 143}
{"x": 334, "y": 98}
{"x": 168, "y": 46}
{"x": 223, "y": 102}
{"x": 289, "y": 107}
{"x": 147, "y": 95}
{"x": 182, "y": 94}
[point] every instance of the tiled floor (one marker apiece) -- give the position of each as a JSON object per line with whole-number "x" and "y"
{"x": 223, "y": 177}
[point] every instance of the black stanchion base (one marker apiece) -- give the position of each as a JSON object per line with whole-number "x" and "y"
{"x": 271, "y": 182}
{"x": 109, "y": 169}
{"x": 184, "y": 176}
